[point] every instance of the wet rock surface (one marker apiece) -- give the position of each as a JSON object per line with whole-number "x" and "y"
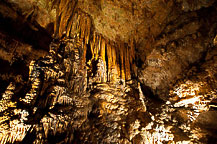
{"x": 108, "y": 71}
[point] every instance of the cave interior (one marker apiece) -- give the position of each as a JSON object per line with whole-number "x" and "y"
{"x": 108, "y": 71}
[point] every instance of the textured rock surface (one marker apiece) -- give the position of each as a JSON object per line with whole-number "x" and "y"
{"x": 124, "y": 71}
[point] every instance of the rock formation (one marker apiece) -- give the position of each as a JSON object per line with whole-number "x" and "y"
{"x": 108, "y": 71}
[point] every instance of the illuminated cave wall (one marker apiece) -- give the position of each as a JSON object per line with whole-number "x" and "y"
{"x": 108, "y": 71}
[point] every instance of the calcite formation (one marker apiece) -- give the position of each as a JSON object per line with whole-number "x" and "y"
{"x": 123, "y": 71}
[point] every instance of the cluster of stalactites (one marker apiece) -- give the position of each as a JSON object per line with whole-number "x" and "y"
{"x": 64, "y": 13}
{"x": 114, "y": 61}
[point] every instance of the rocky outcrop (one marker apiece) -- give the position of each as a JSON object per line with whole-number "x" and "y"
{"x": 176, "y": 51}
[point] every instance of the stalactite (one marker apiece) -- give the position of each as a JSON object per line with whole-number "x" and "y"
{"x": 64, "y": 15}
{"x": 72, "y": 26}
{"x": 96, "y": 48}
{"x": 64, "y": 12}
{"x": 118, "y": 61}
{"x": 82, "y": 27}
{"x": 102, "y": 50}
{"x": 114, "y": 65}
{"x": 121, "y": 53}
{"x": 88, "y": 30}
{"x": 109, "y": 62}
{"x": 132, "y": 56}
{"x": 127, "y": 64}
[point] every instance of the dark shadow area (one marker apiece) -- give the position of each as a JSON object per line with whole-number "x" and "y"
{"x": 21, "y": 30}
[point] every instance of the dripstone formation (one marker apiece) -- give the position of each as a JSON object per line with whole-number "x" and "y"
{"x": 74, "y": 73}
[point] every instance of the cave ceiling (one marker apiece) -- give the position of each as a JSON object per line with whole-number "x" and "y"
{"x": 108, "y": 71}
